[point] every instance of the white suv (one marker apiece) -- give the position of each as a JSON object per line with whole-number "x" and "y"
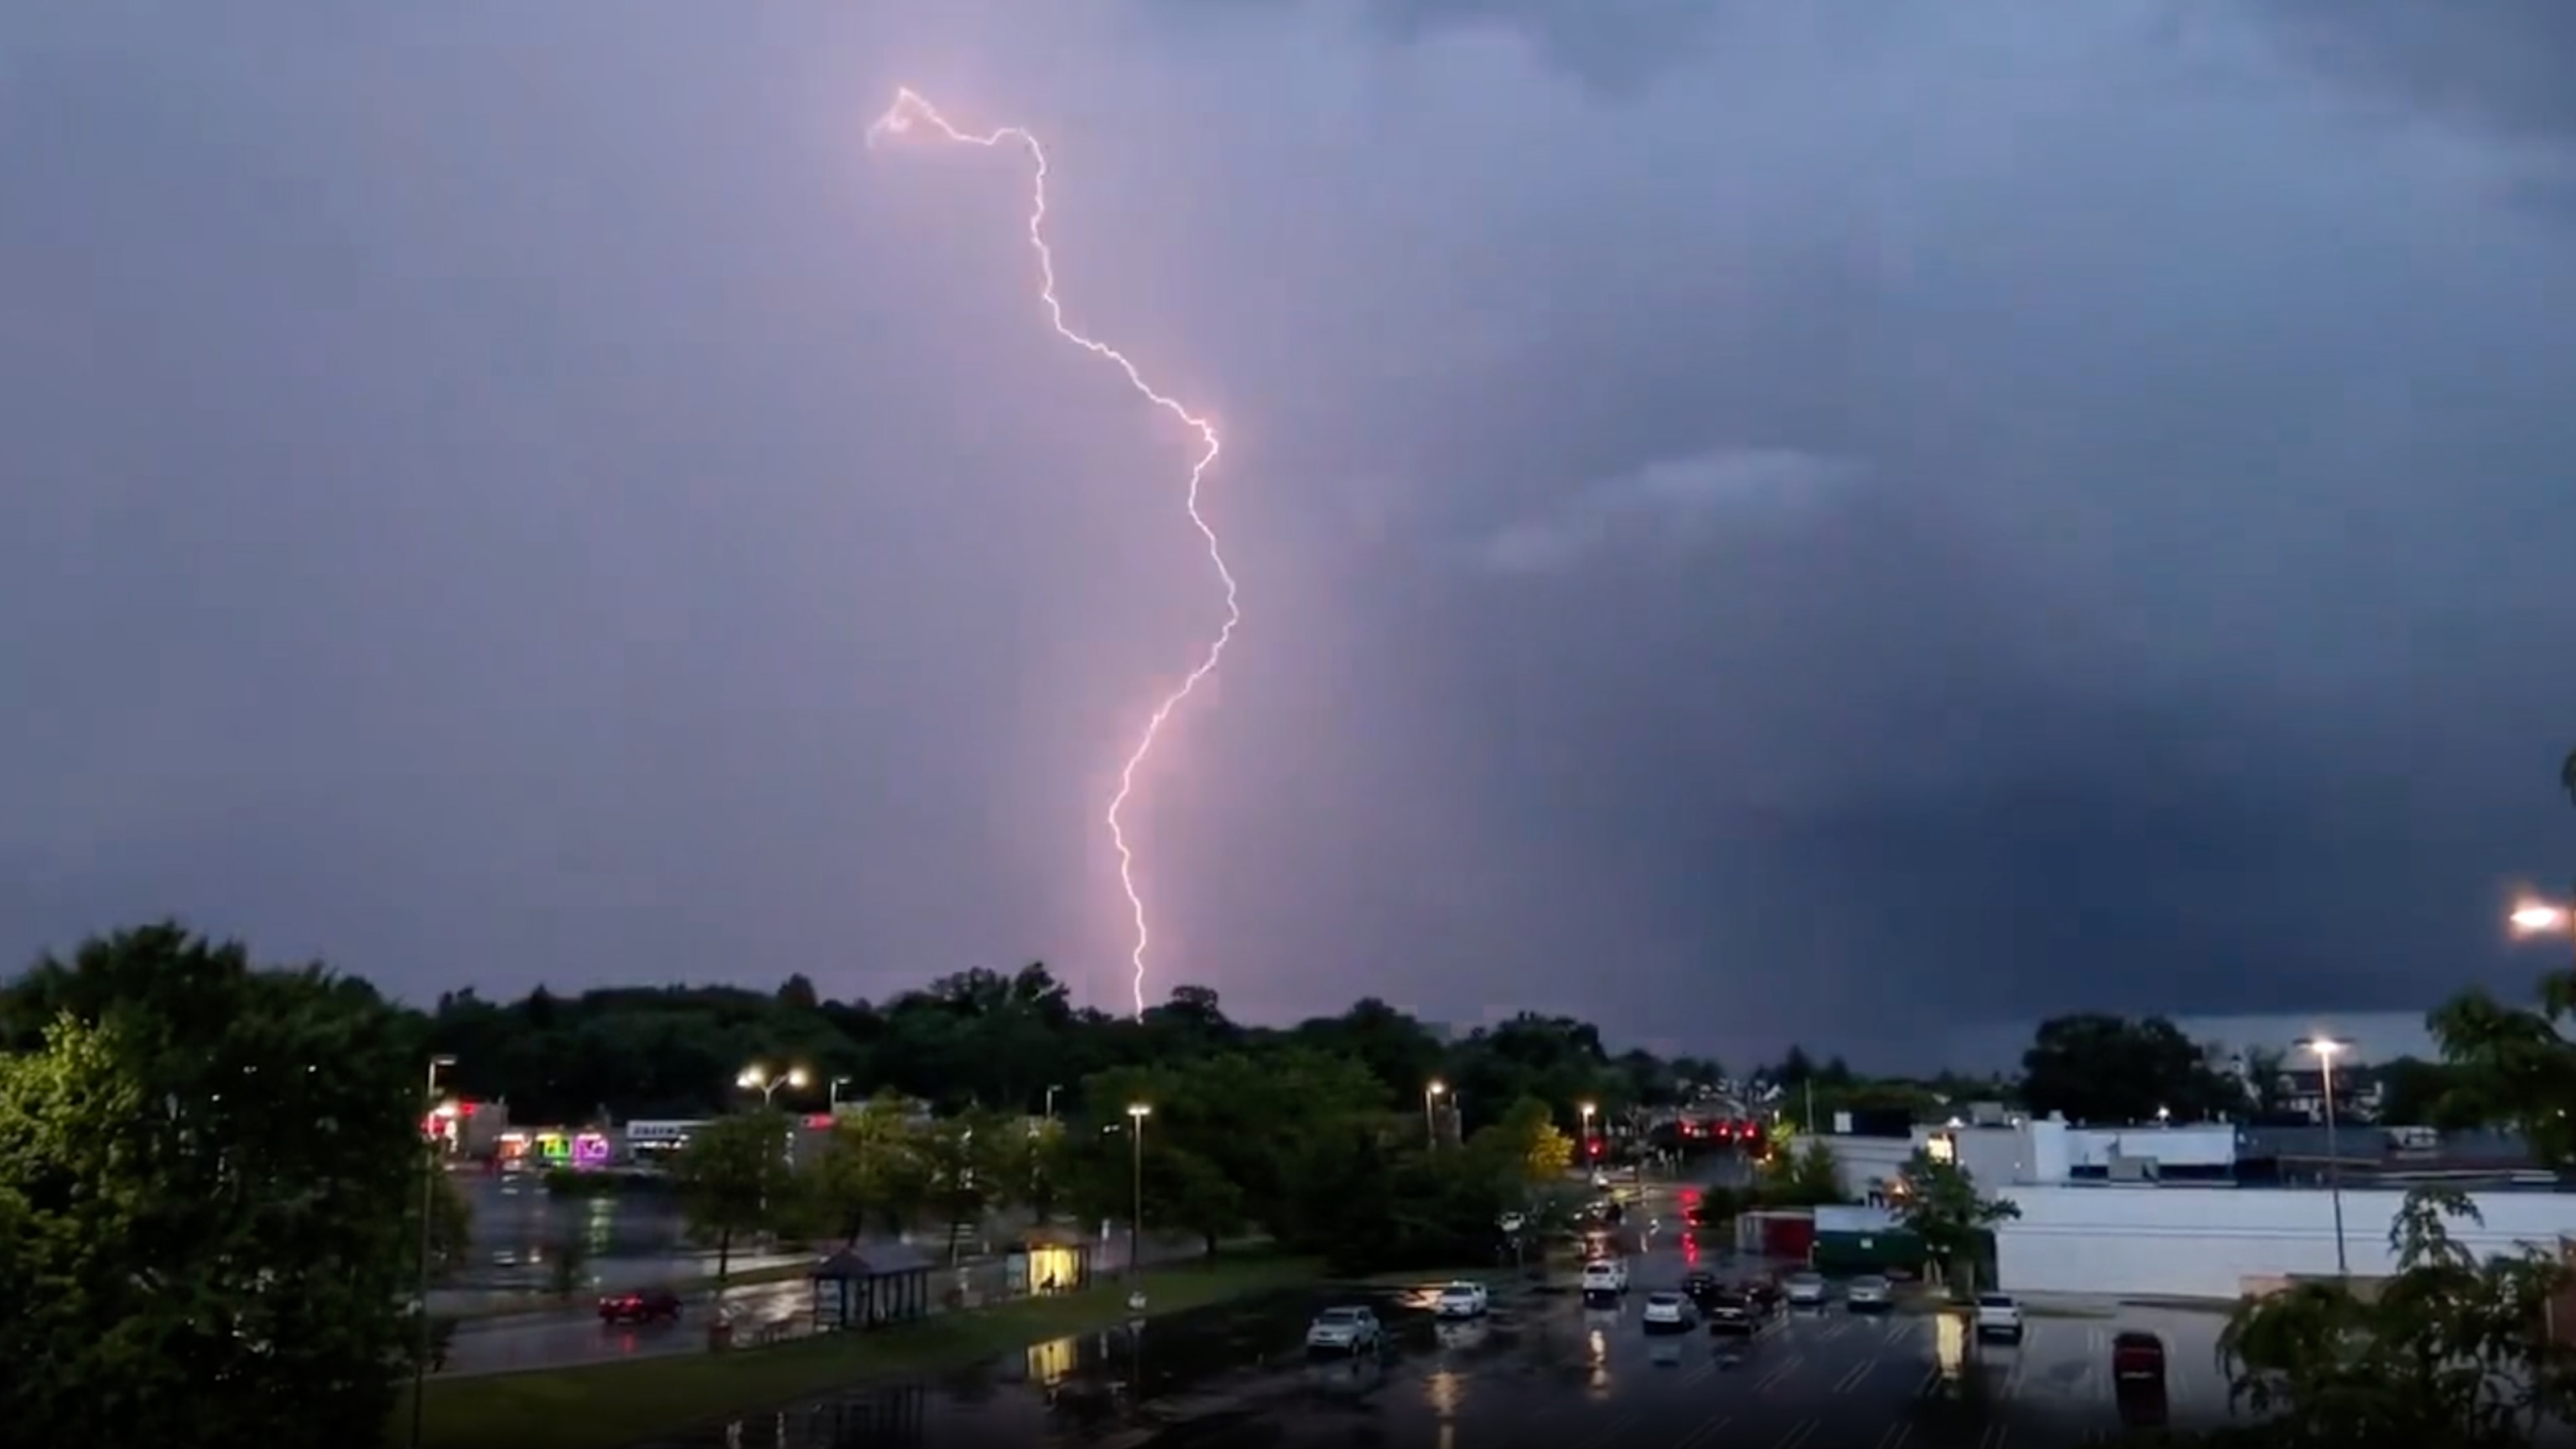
{"x": 1998, "y": 1316}
{"x": 1342, "y": 1330}
{"x": 1604, "y": 1276}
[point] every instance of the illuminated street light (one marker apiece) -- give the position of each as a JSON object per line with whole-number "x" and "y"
{"x": 1137, "y": 1112}
{"x": 756, "y": 1078}
{"x": 2532, "y": 918}
{"x": 2326, "y": 1047}
{"x": 1430, "y": 1111}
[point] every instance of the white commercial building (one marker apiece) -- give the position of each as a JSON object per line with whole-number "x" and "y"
{"x": 2173, "y": 1241}
{"x": 2154, "y": 1211}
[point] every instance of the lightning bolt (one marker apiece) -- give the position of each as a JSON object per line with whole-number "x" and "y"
{"x": 910, "y": 112}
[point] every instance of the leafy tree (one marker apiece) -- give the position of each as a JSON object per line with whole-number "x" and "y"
{"x": 2447, "y": 1352}
{"x": 451, "y": 1225}
{"x": 870, "y": 1172}
{"x": 1939, "y": 1201}
{"x": 2413, "y": 1092}
{"x": 964, "y": 1165}
{"x": 1809, "y": 1176}
{"x": 2109, "y": 1069}
{"x": 209, "y": 1171}
{"x": 732, "y": 1177}
{"x": 1525, "y": 1149}
{"x": 566, "y": 1257}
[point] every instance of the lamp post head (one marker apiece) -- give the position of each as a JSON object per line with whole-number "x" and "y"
{"x": 752, "y": 1077}
{"x": 1436, "y": 1088}
{"x": 2533, "y": 917}
{"x": 797, "y": 1077}
{"x": 442, "y": 1060}
{"x": 1140, "y": 1110}
{"x": 2325, "y": 1047}
{"x": 1586, "y": 1109}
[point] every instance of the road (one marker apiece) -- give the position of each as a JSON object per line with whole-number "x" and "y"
{"x": 566, "y": 1337}
{"x": 1541, "y": 1370}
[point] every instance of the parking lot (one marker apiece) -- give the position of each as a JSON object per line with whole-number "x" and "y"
{"x": 1542, "y": 1369}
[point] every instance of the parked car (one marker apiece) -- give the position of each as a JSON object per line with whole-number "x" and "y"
{"x": 1605, "y": 1277}
{"x": 1343, "y": 1330}
{"x": 1804, "y": 1290}
{"x": 2137, "y": 1363}
{"x": 1700, "y": 1287}
{"x": 1668, "y": 1313}
{"x": 1764, "y": 1291}
{"x": 1869, "y": 1293}
{"x": 1998, "y": 1317}
{"x": 1729, "y": 1311}
{"x": 650, "y": 1306}
{"x": 1461, "y": 1300}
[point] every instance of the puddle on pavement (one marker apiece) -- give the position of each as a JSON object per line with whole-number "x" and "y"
{"x": 1208, "y": 1376}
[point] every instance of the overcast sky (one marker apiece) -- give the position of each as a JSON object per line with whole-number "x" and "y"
{"x": 1754, "y": 520}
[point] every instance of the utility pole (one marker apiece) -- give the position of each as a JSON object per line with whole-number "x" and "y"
{"x": 428, "y": 1196}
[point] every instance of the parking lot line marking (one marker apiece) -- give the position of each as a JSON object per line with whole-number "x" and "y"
{"x": 1852, "y": 1376}
{"x": 1797, "y": 1435}
{"x": 1703, "y": 1433}
{"x": 1610, "y": 1432}
{"x": 1894, "y": 1435}
{"x": 1772, "y": 1379}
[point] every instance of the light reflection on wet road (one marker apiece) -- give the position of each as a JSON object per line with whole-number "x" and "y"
{"x": 1542, "y": 1370}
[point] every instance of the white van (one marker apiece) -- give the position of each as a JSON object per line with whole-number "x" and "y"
{"x": 1604, "y": 1276}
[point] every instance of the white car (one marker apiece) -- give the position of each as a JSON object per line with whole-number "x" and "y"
{"x": 1998, "y": 1316}
{"x": 1804, "y": 1290}
{"x": 1668, "y": 1311}
{"x": 1343, "y": 1330}
{"x": 1868, "y": 1293}
{"x": 1461, "y": 1300}
{"x": 1604, "y": 1275}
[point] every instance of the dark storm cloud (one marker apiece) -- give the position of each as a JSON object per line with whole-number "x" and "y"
{"x": 1930, "y": 509}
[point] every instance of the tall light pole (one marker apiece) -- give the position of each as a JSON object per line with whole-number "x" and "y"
{"x": 428, "y": 1196}
{"x": 832, "y": 1103}
{"x": 1137, "y": 1112}
{"x": 2325, "y": 1047}
{"x": 1050, "y": 1101}
{"x": 1587, "y": 1109}
{"x": 756, "y": 1078}
{"x": 1430, "y": 1112}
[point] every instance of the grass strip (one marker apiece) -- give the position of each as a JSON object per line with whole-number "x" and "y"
{"x": 619, "y": 1404}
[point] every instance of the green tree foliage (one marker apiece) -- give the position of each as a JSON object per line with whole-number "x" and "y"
{"x": 451, "y": 1225}
{"x": 209, "y": 1174}
{"x": 2114, "y": 1070}
{"x": 734, "y": 1180}
{"x": 1525, "y": 1148}
{"x": 2449, "y": 1353}
{"x": 1805, "y": 1176}
{"x": 1939, "y": 1201}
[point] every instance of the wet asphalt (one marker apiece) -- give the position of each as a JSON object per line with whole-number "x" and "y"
{"x": 1542, "y": 1369}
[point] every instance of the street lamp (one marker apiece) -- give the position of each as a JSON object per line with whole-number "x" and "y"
{"x": 2325, "y": 1047}
{"x": 1587, "y": 1109}
{"x": 756, "y": 1078}
{"x": 428, "y": 1195}
{"x": 832, "y": 1103}
{"x": 1137, "y": 1112}
{"x": 1430, "y": 1112}
{"x": 2534, "y": 917}
{"x": 1050, "y": 1101}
